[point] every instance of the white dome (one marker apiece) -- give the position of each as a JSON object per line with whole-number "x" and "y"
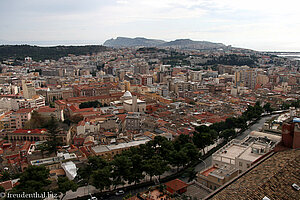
{"x": 127, "y": 94}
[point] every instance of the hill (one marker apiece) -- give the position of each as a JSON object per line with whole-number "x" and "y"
{"x": 190, "y": 44}
{"x": 19, "y": 52}
{"x": 179, "y": 43}
{"x": 132, "y": 42}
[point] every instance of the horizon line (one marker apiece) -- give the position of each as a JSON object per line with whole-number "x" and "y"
{"x": 53, "y": 43}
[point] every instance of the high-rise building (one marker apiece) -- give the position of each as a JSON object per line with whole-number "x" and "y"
{"x": 28, "y": 90}
{"x": 245, "y": 77}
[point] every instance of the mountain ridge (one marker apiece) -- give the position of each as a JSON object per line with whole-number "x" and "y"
{"x": 178, "y": 43}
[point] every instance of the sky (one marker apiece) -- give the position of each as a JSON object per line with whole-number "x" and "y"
{"x": 262, "y": 25}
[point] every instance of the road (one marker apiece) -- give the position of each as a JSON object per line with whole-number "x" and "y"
{"x": 202, "y": 165}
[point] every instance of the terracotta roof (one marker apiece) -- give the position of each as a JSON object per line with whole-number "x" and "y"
{"x": 122, "y": 117}
{"x": 176, "y": 184}
{"x": 272, "y": 177}
{"x": 24, "y": 110}
{"x": 31, "y": 131}
{"x": 46, "y": 109}
{"x": 7, "y": 185}
{"x": 206, "y": 172}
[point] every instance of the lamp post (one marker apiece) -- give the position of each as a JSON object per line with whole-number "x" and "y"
{"x": 203, "y": 162}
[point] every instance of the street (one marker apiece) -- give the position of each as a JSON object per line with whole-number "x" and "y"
{"x": 206, "y": 163}
{"x": 255, "y": 127}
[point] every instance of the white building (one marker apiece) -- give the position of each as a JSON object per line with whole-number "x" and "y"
{"x": 86, "y": 127}
{"x": 9, "y": 103}
{"x": 132, "y": 104}
{"x": 35, "y": 102}
{"x": 70, "y": 169}
{"x": 241, "y": 154}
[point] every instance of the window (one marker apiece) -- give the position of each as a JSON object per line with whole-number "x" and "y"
{"x": 248, "y": 165}
{"x": 240, "y": 164}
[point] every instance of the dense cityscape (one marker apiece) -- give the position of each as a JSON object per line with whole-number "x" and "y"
{"x": 141, "y": 122}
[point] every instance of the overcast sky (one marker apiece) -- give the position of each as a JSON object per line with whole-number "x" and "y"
{"x": 255, "y": 24}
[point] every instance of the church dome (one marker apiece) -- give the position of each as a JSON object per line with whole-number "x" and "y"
{"x": 127, "y": 94}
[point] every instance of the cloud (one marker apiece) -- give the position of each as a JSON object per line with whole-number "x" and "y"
{"x": 237, "y": 22}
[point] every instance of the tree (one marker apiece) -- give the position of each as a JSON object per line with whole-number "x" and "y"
{"x": 51, "y": 105}
{"x": 202, "y": 129}
{"x": 201, "y": 140}
{"x": 267, "y": 108}
{"x": 121, "y": 169}
{"x": 231, "y": 122}
{"x": 296, "y": 103}
{"x": 64, "y": 185}
{"x": 155, "y": 166}
{"x": 94, "y": 163}
{"x": 76, "y": 118}
{"x": 90, "y": 104}
{"x": 181, "y": 141}
{"x": 33, "y": 179}
{"x": 101, "y": 178}
{"x": 192, "y": 174}
{"x": 2, "y": 189}
{"x": 43, "y": 147}
{"x": 285, "y": 106}
{"x": 191, "y": 151}
{"x": 36, "y": 121}
{"x": 228, "y": 133}
{"x": 178, "y": 158}
{"x": 218, "y": 126}
{"x": 162, "y": 146}
{"x": 53, "y": 141}
{"x": 5, "y": 176}
{"x": 136, "y": 171}
{"x": 146, "y": 150}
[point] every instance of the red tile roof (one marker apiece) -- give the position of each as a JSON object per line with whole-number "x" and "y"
{"x": 46, "y": 109}
{"x": 122, "y": 117}
{"x": 24, "y": 110}
{"x": 206, "y": 172}
{"x": 31, "y": 131}
{"x": 176, "y": 184}
{"x": 6, "y": 185}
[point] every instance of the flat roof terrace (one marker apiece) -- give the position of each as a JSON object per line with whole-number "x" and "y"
{"x": 228, "y": 154}
{"x": 249, "y": 155}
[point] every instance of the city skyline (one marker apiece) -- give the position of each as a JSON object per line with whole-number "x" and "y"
{"x": 258, "y": 25}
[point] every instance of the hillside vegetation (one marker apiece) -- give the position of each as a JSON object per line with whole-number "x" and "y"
{"x": 19, "y": 52}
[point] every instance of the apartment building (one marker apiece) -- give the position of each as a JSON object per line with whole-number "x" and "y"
{"x": 236, "y": 157}
{"x": 19, "y": 118}
{"x": 245, "y": 77}
{"x": 133, "y": 121}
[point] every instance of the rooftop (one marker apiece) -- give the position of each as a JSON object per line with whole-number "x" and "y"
{"x": 230, "y": 153}
{"x": 102, "y": 148}
{"x": 272, "y": 177}
{"x": 130, "y": 101}
{"x": 248, "y": 154}
{"x": 31, "y": 131}
{"x": 50, "y": 160}
{"x": 24, "y": 110}
{"x": 176, "y": 184}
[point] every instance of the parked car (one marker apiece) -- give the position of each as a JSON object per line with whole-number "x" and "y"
{"x": 120, "y": 192}
{"x": 93, "y": 198}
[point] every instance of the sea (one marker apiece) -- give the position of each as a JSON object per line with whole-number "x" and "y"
{"x": 291, "y": 55}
